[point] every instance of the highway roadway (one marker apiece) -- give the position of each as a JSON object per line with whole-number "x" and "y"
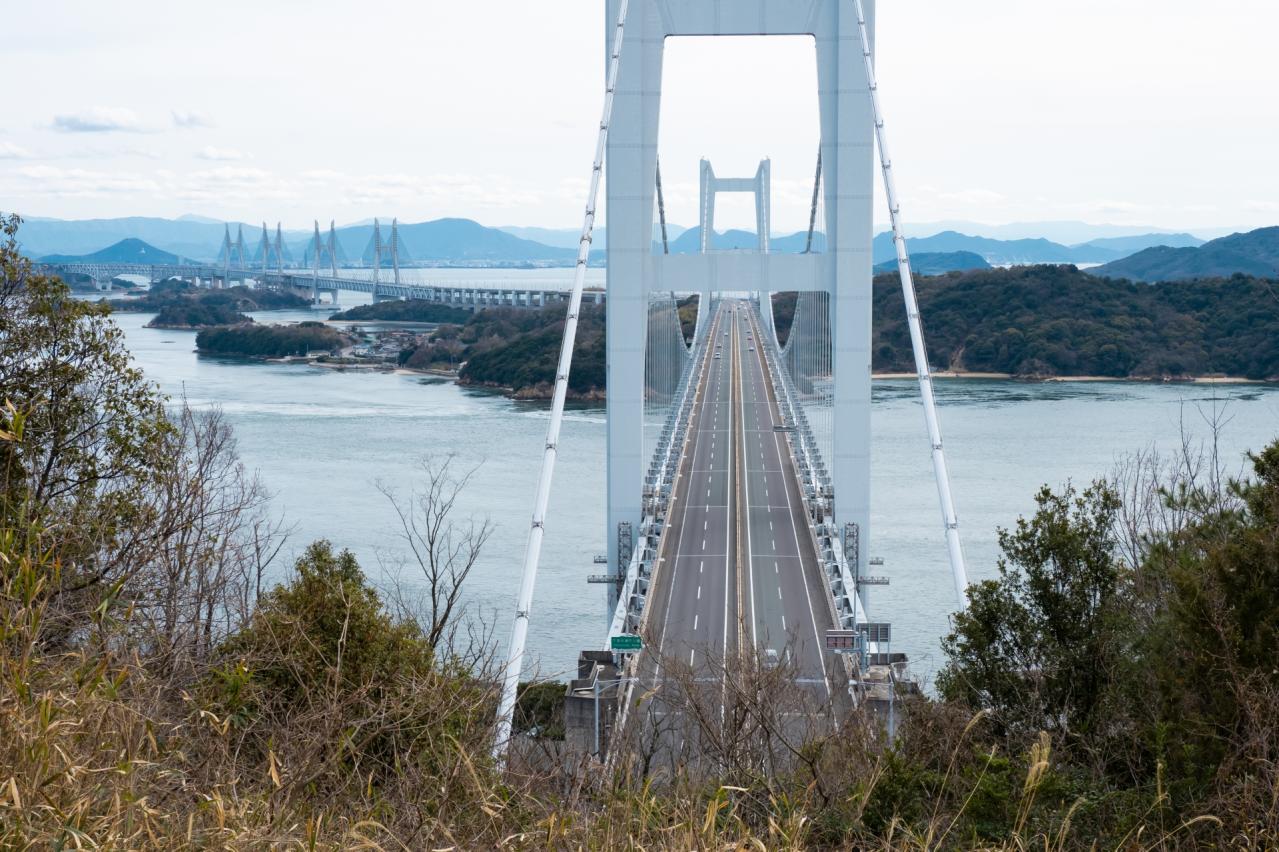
{"x": 737, "y": 567}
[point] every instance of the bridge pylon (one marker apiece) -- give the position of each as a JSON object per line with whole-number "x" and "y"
{"x": 843, "y": 270}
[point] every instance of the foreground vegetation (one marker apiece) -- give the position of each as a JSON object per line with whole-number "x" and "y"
{"x": 166, "y": 684}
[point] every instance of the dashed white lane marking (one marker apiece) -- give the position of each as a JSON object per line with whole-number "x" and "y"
{"x": 695, "y": 621}
{"x": 705, "y": 524}
{"x": 783, "y": 623}
{"x": 774, "y": 545}
{"x": 779, "y": 593}
{"x": 690, "y": 657}
{"x": 704, "y": 545}
{"x": 701, "y": 565}
{"x": 776, "y": 570}
{"x": 699, "y": 593}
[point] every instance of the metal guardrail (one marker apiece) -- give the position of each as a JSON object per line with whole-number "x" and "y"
{"x": 817, "y": 492}
{"x": 658, "y": 487}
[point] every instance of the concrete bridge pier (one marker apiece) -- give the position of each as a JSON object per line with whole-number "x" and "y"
{"x": 332, "y": 293}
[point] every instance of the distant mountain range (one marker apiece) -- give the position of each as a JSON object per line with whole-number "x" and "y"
{"x": 129, "y": 250}
{"x": 463, "y": 241}
{"x": 937, "y": 263}
{"x": 992, "y": 251}
{"x": 1252, "y": 253}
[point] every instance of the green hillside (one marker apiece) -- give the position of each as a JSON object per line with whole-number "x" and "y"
{"x": 1252, "y": 253}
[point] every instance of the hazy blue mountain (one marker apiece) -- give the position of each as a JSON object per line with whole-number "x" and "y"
{"x": 1138, "y": 242}
{"x": 996, "y": 252}
{"x": 993, "y": 252}
{"x": 937, "y": 263}
{"x": 450, "y": 241}
{"x": 190, "y": 237}
{"x": 126, "y": 251}
{"x": 1252, "y": 253}
{"x": 1066, "y": 232}
{"x": 568, "y": 237}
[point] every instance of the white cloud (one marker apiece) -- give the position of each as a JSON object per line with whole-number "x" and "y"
{"x": 190, "y": 118}
{"x": 99, "y": 120}
{"x": 9, "y": 151}
{"x": 210, "y": 152}
{"x": 974, "y": 196}
{"x": 86, "y": 183}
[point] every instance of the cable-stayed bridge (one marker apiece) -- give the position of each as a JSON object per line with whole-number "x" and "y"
{"x": 324, "y": 272}
{"x": 738, "y": 522}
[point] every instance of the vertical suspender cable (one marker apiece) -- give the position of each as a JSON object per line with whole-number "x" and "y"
{"x": 812, "y": 213}
{"x": 958, "y": 572}
{"x": 661, "y": 209}
{"x": 519, "y": 633}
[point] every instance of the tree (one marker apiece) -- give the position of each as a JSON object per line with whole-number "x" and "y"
{"x": 1208, "y": 663}
{"x": 444, "y": 548}
{"x": 93, "y": 425}
{"x": 1036, "y": 645}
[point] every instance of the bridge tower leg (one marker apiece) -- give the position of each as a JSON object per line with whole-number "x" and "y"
{"x": 844, "y": 271}
{"x": 333, "y": 256}
{"x": 266, "y": 255}
{"x": 395, "y": 250}
{"x": 377, "y": 260}
{"x": 239, "y": 254}
{"x": 279, "y": 253}
{"x": 315, "y": 265}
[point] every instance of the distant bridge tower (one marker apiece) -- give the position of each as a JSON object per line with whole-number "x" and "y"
{"x": 843, "y": 270}
{"x": 279, "y": 251}
{"x": 379, "y": 249}
{"x": 266, "y": 254}
{"x": 760, "y": 186}
{"x": 232, "y": 252}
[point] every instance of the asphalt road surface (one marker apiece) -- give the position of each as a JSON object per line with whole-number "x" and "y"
{"x": 737, "y": 570}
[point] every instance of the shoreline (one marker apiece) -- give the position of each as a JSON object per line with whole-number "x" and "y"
{"x": 1188, "y": 380}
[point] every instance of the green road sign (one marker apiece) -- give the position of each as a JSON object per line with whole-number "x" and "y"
{"x": 626, "y": 642}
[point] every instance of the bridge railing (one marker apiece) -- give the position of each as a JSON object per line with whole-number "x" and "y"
{"x": 658, "y": 487}
{"x": 817, "y": 491}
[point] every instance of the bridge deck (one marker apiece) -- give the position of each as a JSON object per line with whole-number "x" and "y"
{"x": 738, "y": 568}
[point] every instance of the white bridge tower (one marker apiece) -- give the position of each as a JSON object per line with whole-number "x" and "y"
{"x": 843, "y": 270}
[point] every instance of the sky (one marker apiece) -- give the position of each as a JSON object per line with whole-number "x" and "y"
{"x": 1135, "y": 112}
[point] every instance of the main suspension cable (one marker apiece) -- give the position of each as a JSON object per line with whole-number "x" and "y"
{"x": 532, "y": 554}
{"x": 959, "y": 572}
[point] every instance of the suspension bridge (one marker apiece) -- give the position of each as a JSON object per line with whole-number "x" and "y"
{"x": 738, "y": 466}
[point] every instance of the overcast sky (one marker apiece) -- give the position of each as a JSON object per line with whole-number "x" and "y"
{"x": 1159, "y": 112}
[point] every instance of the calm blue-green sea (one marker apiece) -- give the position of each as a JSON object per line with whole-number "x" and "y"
{"x": 322, "y": 441}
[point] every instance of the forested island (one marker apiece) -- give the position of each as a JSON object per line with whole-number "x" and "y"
{"x": 270, "y": 341}
{"x": 516, "y": 350}
{"x": 180, "y": 305}
{"x": 410, "y": 310}
{"x": 1059, "y": 322}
